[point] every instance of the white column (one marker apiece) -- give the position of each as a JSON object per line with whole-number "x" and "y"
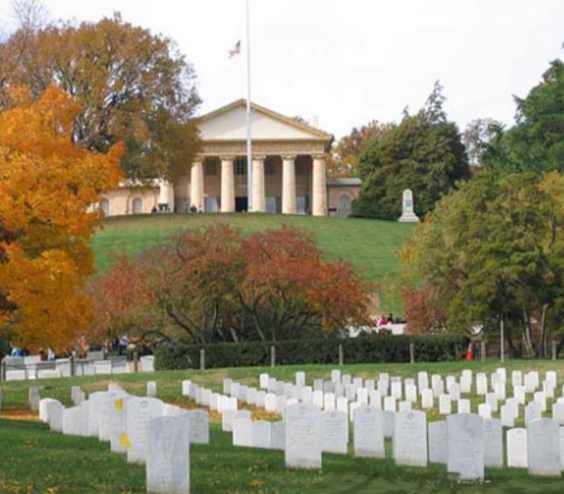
{"x": 319, "y": 199}
{"x": 227, "y": 185}
{"x": 259, "y": 199}
{"x": 289, "y": 185}
{"x": 197, "y": 185}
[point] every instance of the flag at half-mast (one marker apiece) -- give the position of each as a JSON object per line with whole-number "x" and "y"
{"x": 236, "y": 50}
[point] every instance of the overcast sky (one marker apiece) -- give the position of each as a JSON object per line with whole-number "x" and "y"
{"x": 346, "y": 62}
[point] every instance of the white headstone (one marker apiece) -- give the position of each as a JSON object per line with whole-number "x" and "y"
{"x": 485, "y": 411}
{"x": 168, "y": 455}
{"x": 445, "y": 405}
{"x": 278, "y": 435}
{"x": 243, "y": 432}
{"x": 303, "y": 436}
{"x": 410, "y": 438}
{"x": 55, "y": 412}
{"x": 493, "y": 443}
{"x": 533, "y": 411}
{"x": 438, "y": 446}
{"x": 262, "y": 434}
{"x": 464, "y": 406}
{"x": 427, "y": 399}
{"x": 517, "y": 448}
{"x": 139, "y": 412}
{"x": 119, "y": 441}
{"x": 334, "y": 432}
{"x": 368, "y": 433}
{"x": 466, "y": 446}
{"x": 543, "y": 448}
{"x": 199, "y": 426}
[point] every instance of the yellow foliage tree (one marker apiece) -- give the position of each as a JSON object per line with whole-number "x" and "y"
{"x": 47, "y": 188}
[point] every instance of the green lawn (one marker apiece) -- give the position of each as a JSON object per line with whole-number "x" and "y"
{"x": 372, "y": 246}
{"x": 34, "y": 460}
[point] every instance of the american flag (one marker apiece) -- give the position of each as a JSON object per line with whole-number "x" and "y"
{"x": 236, "y": 50}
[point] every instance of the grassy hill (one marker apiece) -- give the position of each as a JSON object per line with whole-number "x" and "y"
{"x": 372, "y": 246}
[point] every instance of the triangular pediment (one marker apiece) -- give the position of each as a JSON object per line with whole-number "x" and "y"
{"x": 229, "y": 123}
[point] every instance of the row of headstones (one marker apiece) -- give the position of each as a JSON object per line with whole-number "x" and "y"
{"x": 63, "y": 368}
{"x": 356, "y": 392}
{"x": 466, "y": 443}
{"x": 145, "y": 429}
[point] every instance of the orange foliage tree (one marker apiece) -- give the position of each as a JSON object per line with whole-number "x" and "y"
{"x": 216, "y": 285}
{"x": 47, "y": 185}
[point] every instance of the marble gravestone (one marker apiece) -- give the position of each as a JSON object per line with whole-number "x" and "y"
{"x": 118, "y": 425}
{"x": 335, "y": 432}
{"x": 543, "y": 448}
{"x": 438, "y": 452}
{"x": 278, "y": 435}
{"x": 243, "y": 432}
{"x": 71, "y": 421}
{"x": 368, "y": 432}
{"x": 168, "y": 456}
{"x": 262, "y": 434}
{"x": 303, "y": 436}
{"x": 408, "y": 214}
{"x": 410, "y": 438}
{"x": 465, "y": 437}
{"x": 493, "y": 443}
{"x": 199, "y": 426}
{"x": 55, "y": 411}
{"x": 517, "y": 448}
{"x": 139, "y": 412}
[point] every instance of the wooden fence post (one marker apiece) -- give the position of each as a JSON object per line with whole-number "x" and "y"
{"x": 272, "y": 356}
{"x": 341, "y": 355}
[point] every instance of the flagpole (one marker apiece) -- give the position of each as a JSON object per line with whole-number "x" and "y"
{"x": 249, "y": 123}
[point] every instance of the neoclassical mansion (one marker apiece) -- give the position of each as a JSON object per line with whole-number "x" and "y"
{"x": 288, "y": 171}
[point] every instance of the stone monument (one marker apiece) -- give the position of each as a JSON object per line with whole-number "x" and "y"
{"x": 408, "y": 214}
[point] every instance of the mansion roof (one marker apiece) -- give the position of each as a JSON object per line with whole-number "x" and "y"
{"x": 228, "y": 123}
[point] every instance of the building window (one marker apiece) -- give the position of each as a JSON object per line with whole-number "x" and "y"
{"x": 137, "y": 205}
{"x": 344, "y": 208}
{"x": 241, "y": 166}
{"x": 211, "y": 169}
{"x": 105, "y": 207}
{"x": 269, "y": 168}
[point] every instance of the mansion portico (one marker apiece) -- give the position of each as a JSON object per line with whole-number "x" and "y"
{"x": 288, "y": 174}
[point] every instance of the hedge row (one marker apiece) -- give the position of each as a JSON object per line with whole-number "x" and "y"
{"x": 364, "y": 349}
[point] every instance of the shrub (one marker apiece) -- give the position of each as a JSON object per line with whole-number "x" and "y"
{"x": 364, "y": 349}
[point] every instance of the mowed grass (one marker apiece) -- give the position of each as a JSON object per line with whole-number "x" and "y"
{"x": 371, "y": 246}
{"x": 34, "y": 460}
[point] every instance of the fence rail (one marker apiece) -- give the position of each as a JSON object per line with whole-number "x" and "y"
{"x": 31, "y": 368}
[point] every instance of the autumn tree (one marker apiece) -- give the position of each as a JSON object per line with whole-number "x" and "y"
{"x": 123, "y": 302}
{"x": 215, "y": 285}
{"x": 132, "y": 86}
{"x": 493, "y": 251}
{"x": 290, "y": 290}
{"x": 47, "y": 185}
{"x": 346, "y": 154}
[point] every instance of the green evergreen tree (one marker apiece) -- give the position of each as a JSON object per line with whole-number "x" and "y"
{"x": 424, "y": 153}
